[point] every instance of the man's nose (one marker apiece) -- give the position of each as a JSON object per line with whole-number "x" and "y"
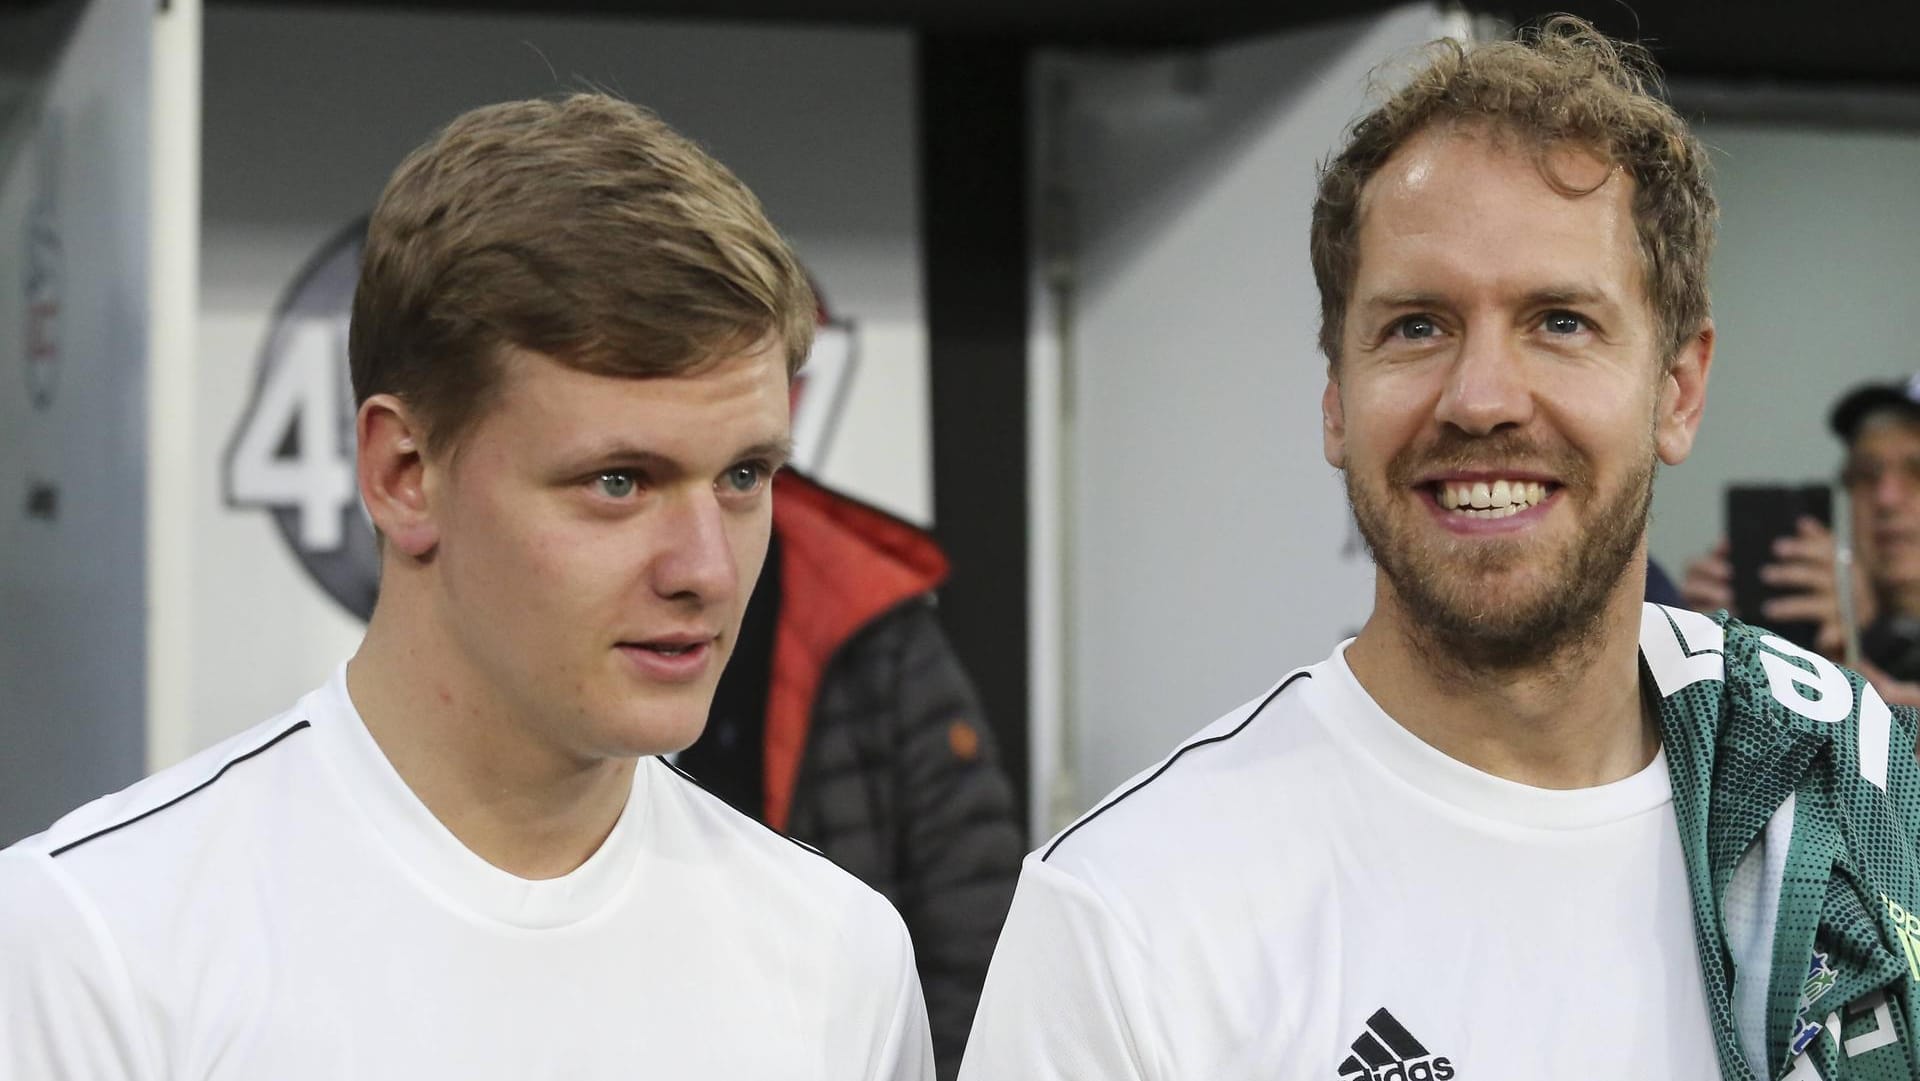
{"x": 1892, "y": 486}
{"x": 1486, "y": 387}
{"x": 695, "y": 554}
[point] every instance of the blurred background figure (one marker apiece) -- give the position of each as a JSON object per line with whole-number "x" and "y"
{"x": 1879, "y": 425}
{"x": 845, "y": 720}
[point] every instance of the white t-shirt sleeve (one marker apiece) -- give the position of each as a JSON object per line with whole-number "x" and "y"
{"x": 1065, "y": 997}
{"x": 906, "y": 1053}
{"x": 66, "y": 1009}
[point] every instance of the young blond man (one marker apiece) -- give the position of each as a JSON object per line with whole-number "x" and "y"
{"x": 461, "y": 857}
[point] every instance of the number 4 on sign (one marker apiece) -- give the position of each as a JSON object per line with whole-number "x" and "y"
{"x": 301, "y": 395}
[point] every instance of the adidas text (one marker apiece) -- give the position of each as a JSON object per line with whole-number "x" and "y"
{"x": 1437, "y": 1068}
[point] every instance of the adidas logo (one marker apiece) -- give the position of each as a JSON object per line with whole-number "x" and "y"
{"x": 1386, "y": 1051}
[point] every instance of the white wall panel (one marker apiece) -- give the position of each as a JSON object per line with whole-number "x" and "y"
{"x": 74, "y": 319}
{"x": 1208, "y": 544}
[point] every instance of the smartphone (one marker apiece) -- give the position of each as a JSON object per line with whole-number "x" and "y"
{"x": 1757, "y": 515}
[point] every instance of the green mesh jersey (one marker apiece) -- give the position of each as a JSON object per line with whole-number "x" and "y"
{"x": 1798, "y": 800}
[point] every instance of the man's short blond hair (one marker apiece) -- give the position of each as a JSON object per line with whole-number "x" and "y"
{"x": 582, "y": 228}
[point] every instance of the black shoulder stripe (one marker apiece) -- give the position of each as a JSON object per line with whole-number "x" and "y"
{"x": 202, "y": 786}
{"x": 731, "y": 809}
{"x": 1177, "y": 755}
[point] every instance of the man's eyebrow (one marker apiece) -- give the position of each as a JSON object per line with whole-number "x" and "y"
{"x": 624, "y": 452}
{"x": 1552, "y": 294}
{"x": 778, "y": 451}
{"x": 1401, "y": 300}
{"x": 1569, "y": 294}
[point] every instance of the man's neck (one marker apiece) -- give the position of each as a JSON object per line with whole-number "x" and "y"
{"x": 517, "y": 801}
{"x": 1574, "y": 720}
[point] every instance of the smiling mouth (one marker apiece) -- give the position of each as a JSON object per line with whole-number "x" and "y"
{"x": 1490, "y": 499}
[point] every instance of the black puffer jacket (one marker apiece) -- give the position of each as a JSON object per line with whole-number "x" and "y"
{"x": 877, "y": 753}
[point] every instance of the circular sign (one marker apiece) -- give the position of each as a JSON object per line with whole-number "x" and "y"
{"x": 293, "y": 453}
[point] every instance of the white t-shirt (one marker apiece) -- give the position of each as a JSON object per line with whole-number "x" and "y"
{"x": 1305, "y": 891}
{"x": 282, "y": 906}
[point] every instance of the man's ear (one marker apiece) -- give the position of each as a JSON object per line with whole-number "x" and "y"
{"x": 1683, "y": 397}
{"x": 1333, "y": 422}
{"x": 393, "y": 475}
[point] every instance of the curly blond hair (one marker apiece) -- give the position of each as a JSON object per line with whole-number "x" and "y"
{"x": 1556, "y": 83}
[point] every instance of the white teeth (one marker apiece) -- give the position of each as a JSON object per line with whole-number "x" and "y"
{"x": 1496, "y": 499}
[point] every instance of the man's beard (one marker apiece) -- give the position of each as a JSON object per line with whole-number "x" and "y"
{"x": 1459, "y": 619}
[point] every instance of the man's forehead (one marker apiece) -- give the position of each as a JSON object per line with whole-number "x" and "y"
{"x": 758, "y": 373}
{"x": 1436, "y": 154}
{"x": 1457, "y": 201}
{"x": 1893, "y": 427}
{"x": 570, "y": 410}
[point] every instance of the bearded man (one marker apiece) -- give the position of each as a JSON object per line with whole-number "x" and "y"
{"x": 1523, "y": 825}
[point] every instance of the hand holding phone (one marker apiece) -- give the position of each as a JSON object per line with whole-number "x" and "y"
{"x": 1784, "y": 577}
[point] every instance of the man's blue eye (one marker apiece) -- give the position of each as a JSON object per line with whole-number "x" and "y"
{"x": 1417, "y": 327}
{"x": 1564, "y": 323}
{"x": 616, "y": 485}
{"x": 745, "y": 477}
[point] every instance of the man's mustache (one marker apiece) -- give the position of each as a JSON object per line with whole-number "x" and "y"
{"x": 1456, "y": 453}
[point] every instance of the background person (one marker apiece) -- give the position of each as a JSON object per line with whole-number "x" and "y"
{"x": 845, "y": 720}
{"x": 1879, "y": 425}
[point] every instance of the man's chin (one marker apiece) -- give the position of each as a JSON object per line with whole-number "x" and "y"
{"x": 1507, "y": 577}
{"x": 1485, "y": 616}
{"x": 1510, "y": 619}
{"x": 651, "y": 743}
{"x": 654, "y": 729}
